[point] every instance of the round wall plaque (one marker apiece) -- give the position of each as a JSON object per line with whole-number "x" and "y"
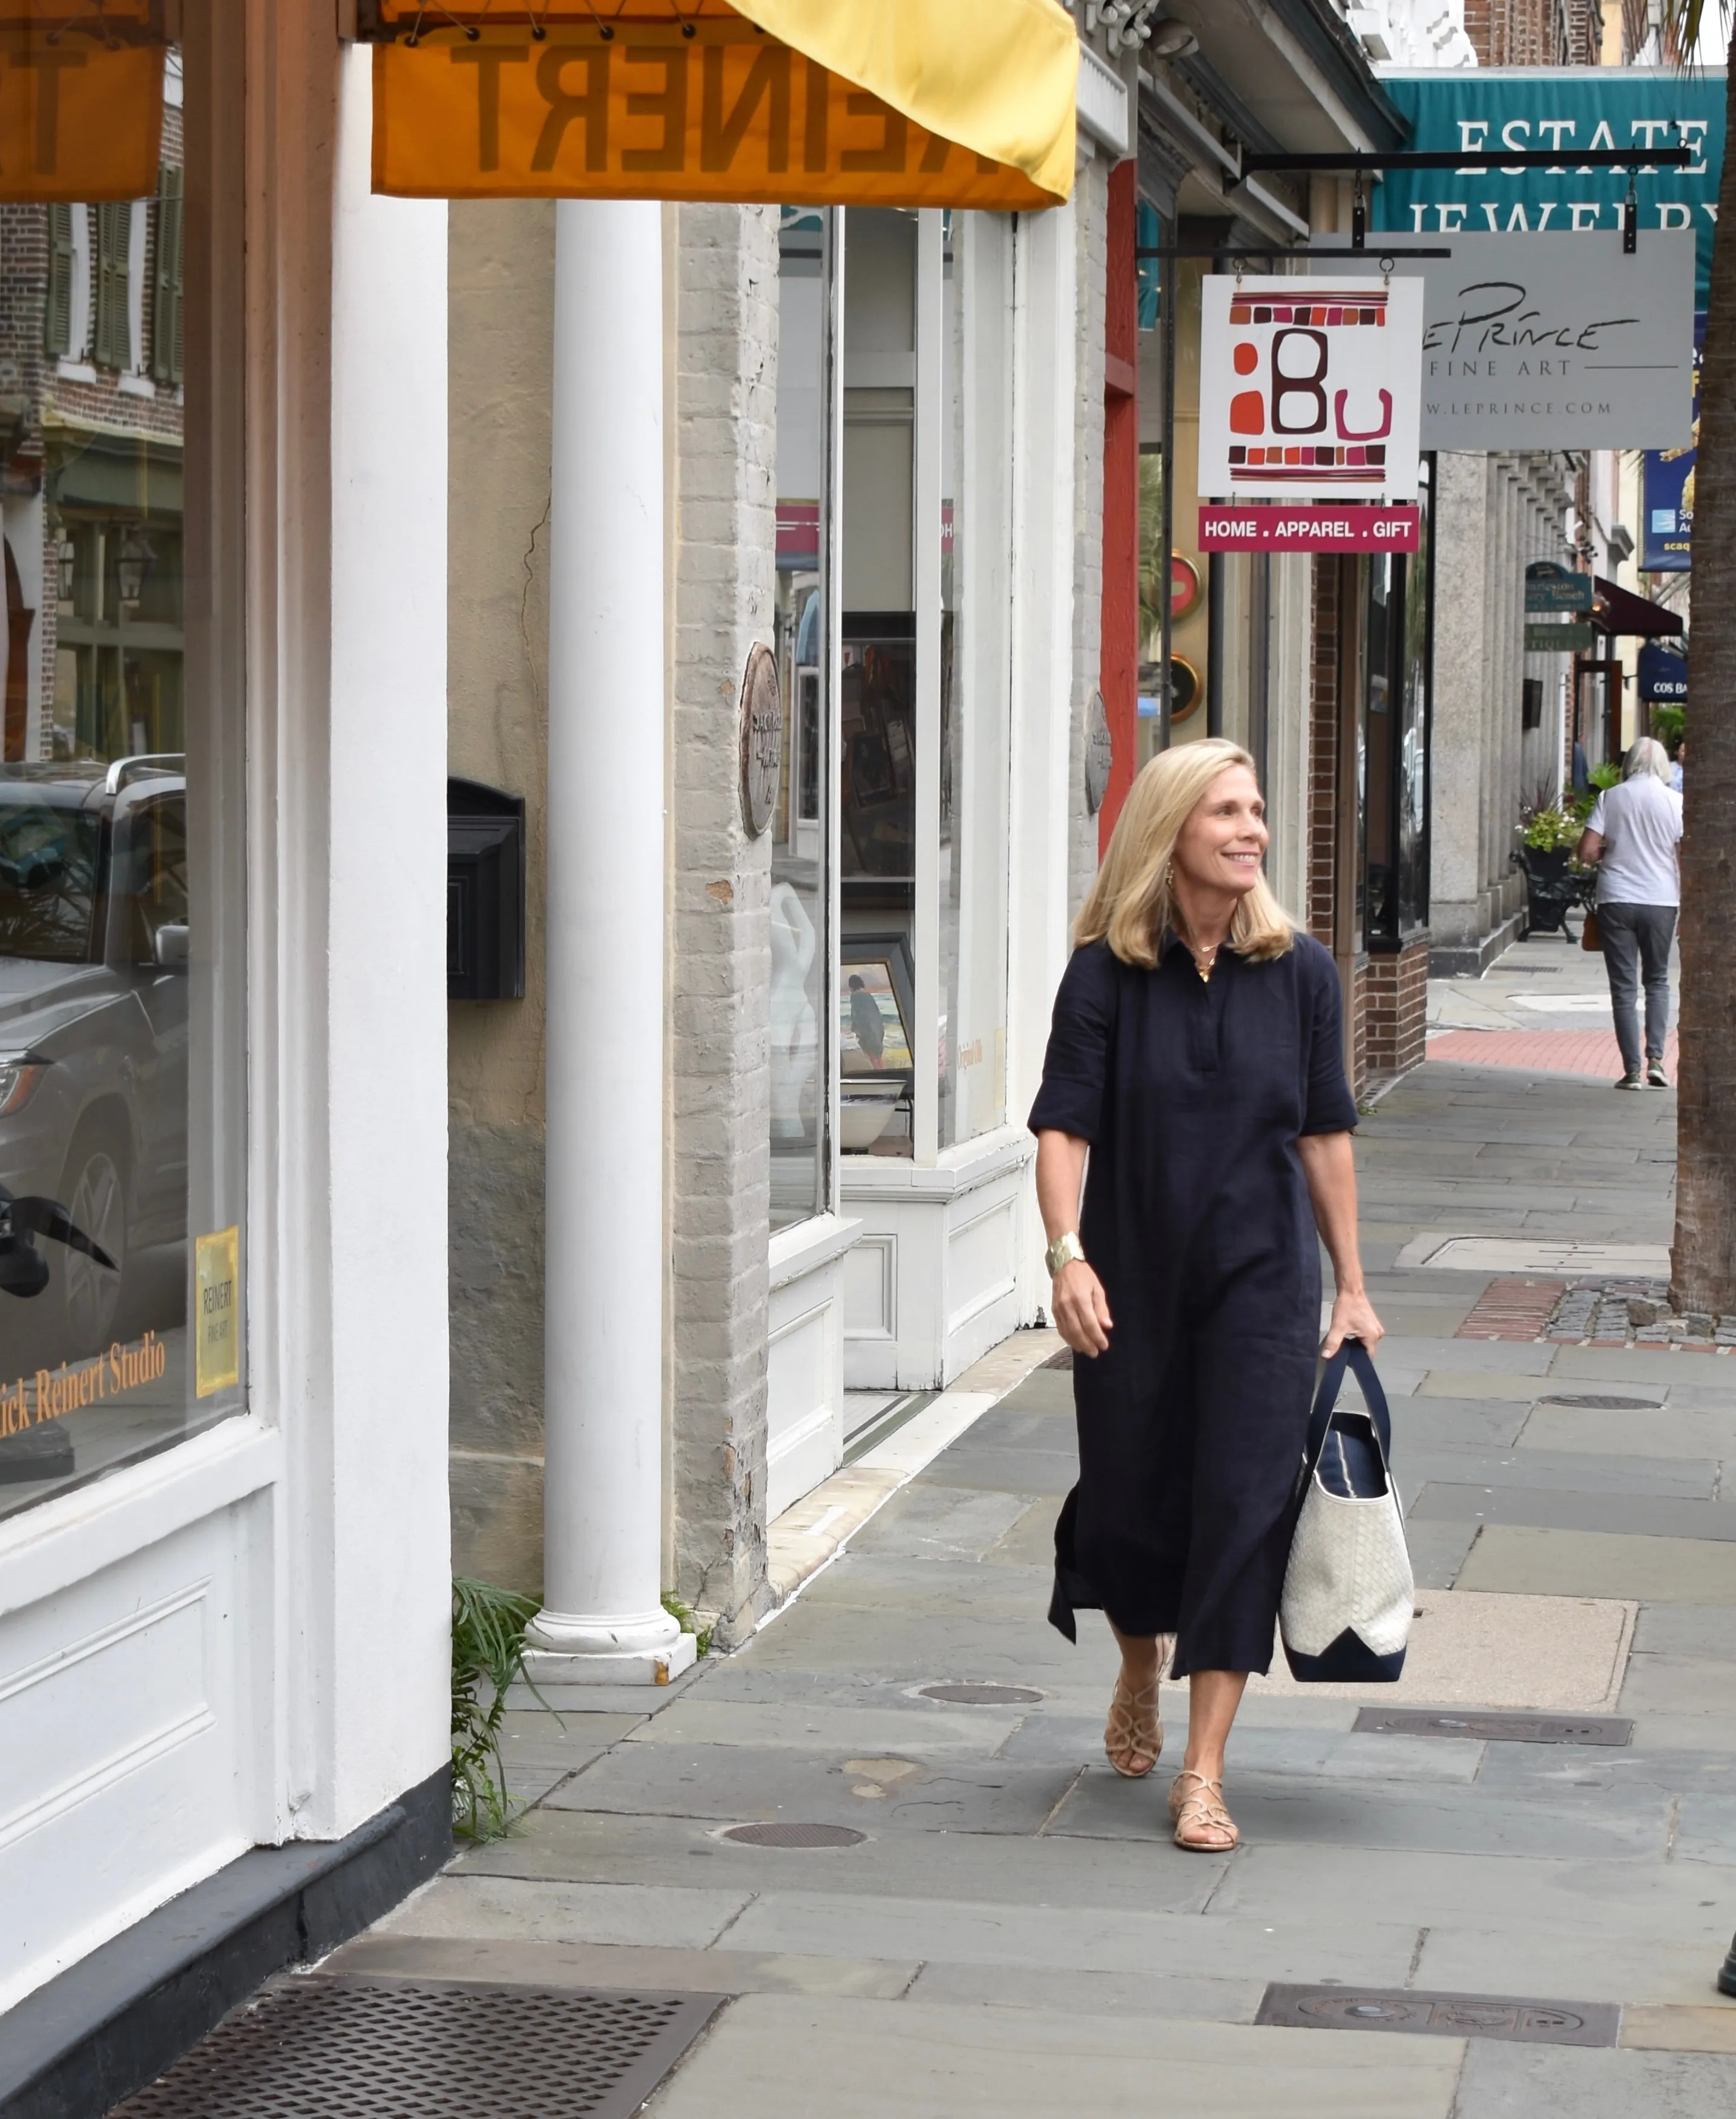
{"x": 1099, "y": 752}
{"x": 762, "y": 738}
{"x": 1184, "y": 689}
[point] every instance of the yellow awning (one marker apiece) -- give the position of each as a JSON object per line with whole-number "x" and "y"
{"x": 965, "y": 103}
{"x": 80, "y": 99}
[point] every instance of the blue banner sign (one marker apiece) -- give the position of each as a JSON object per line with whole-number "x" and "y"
{"x": 1663, "y": 672}
{"x": 1558, "y": 108}
{"x": 1666, "y": 492}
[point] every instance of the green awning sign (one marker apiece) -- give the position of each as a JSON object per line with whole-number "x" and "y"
{"x": 1551, "y": 587}
{"x": 1558, "y": 108}
{"x": 1570, "y": 639}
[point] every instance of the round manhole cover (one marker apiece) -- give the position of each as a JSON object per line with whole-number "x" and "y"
{"x": 1363, "y": 2009}
{"x": 794, "y": 1835}
{"x": 1598, "y": 1401}
{"x": 983, "y": 1695}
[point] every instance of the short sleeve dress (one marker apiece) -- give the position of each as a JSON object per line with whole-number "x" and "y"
{"x": 1196, "y": 1218}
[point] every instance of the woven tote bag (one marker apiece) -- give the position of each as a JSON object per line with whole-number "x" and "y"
{"x": 1346, "y": 1609}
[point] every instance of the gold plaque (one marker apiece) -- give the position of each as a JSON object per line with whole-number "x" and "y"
{"x": 217, "y": 1310}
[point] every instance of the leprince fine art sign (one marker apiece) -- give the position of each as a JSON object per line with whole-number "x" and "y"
{"x": 1556, "y": 341}
{"x": 1310, "y": 387}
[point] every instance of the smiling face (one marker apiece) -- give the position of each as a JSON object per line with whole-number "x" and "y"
{"x": 1221, "y": 846}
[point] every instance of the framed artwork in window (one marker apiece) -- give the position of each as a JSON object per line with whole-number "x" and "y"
{"x": 877, "y": 1005}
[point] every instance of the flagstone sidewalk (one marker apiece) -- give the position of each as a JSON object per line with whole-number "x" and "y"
{"x": 1010, "y": 1930}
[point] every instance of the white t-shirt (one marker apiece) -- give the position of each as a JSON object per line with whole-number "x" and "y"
{"x": 1640, "y": 822}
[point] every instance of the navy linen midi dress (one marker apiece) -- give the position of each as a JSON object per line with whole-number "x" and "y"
{"x": 1196, "y": 1219}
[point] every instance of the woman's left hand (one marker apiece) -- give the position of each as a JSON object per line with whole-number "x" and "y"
{"x": 1352, "y": 1318}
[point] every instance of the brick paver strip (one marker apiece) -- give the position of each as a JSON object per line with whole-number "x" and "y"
{"x": 1513, "y": 1310}
{"x": 1545, "y": 1051}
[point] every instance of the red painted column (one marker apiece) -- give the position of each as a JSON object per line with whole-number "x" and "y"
{"x": 1119, "y": 666}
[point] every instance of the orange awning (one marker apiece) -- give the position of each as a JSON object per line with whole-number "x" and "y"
{"x": 965, "y": 103}
{"x": 80, "y": 99}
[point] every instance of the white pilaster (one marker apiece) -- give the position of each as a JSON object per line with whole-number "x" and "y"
{"x": 602, "y": 1620}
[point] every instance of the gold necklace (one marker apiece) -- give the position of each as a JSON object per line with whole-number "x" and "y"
{"x": 1204, "y": 961}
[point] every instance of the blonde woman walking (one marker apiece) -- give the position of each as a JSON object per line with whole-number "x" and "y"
{"x": 1196, "y": 1059}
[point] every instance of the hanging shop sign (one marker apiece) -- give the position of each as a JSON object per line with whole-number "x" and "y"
{"x": 1559, "y": 107}
{"x": 1552, "y": 587}
{"x": 1667, "y": 491}
{"x": 1566, "y": 637}
{"x": 1309, "y": 387}
{"x": 1662, "y": 671}
{"x": 1328, "y": 527}
{"x": 860, "y": 102}
{"x": 1556, "y": 341}
{"x": 80, "y": 99}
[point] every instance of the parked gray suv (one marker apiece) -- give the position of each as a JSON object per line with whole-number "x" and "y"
{"x": 93, "y": 1032}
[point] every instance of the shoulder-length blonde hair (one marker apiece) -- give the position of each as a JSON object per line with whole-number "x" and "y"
{"x": 1130, "y": 904}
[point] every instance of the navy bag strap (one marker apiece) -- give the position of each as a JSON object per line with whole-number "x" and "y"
{"x": 1351, "y": 1354}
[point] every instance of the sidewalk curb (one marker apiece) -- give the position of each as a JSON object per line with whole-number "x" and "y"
{"x": 809, "y": 1536}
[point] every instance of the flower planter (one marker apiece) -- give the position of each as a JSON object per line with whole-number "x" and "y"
{"x": 1553, "y": 889}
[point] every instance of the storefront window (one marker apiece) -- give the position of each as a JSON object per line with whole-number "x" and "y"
{"x": 121, "y": 904}
{"x": 800, "y": 1040}
{"x": 1411, "y": 761}
{"x": 976, "y": 518}
{"x": 878, "y": 759}
{"x": 1396, "y": 662}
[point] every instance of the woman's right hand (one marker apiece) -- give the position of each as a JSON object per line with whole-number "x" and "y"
{"x": 1081, "y": 1309}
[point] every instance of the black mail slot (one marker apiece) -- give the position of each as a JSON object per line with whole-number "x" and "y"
{"x": 485, "y": 893}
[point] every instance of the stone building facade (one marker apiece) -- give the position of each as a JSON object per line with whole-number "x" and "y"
{"x": 914, "y": 1256}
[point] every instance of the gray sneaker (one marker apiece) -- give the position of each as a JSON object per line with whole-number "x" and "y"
{"x": 1655, "y": 1075}
{"x": 1631, "y": 1081}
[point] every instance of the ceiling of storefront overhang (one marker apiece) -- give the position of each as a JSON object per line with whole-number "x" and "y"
{"x": 1286, "y": 73}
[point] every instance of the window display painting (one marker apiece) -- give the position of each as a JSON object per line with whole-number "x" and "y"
{"x": 879, "y": 750}
{"x": 876, "y": 1005}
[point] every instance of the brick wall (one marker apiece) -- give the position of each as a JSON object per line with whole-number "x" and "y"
{"x": 1395, "y": 1012}
{"x": 725, "y": 590}
{"x": 1323, "y": 683}
{"x": 1529, "y": 32}
{"x": 1386, "y": 1000}
{"x": 1358, "y": 1064}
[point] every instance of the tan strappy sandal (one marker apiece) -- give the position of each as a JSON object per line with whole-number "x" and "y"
{"x": 1203, "y": 1808}
{"x": 1134, "y": 1724}
{"x": 1134, "y": 1729}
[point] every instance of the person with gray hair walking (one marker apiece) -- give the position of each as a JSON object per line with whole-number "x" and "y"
{"x": 1633, "y": 838}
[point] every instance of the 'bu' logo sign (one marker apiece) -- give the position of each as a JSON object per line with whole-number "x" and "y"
{"x": 1310, "y": 386}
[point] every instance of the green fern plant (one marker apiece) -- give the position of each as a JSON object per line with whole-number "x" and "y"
{"x": 685, "y": 1619}
{"x": 488, "y": 1626}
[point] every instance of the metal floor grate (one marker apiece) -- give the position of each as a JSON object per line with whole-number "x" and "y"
{"x": 969, "y": 1695}
{"x": 1602, "y": 1402}
{"x": 794, "y": 1835}
{"x": 1441, "y": 2015}
{"x": 316, "y": 2047}
{"x": 1612, "y": 1730}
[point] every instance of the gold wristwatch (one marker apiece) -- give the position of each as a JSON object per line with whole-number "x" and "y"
{"x": 1063, "y": 1251}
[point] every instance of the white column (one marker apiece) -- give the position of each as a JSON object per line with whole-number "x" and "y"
{"x": 603, "y": 1336}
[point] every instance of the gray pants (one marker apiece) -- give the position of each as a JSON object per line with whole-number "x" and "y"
{"x": 1636, "y": 940}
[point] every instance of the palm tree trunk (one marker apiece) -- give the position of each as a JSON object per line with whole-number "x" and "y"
{"x": 1704, "y": 1258}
